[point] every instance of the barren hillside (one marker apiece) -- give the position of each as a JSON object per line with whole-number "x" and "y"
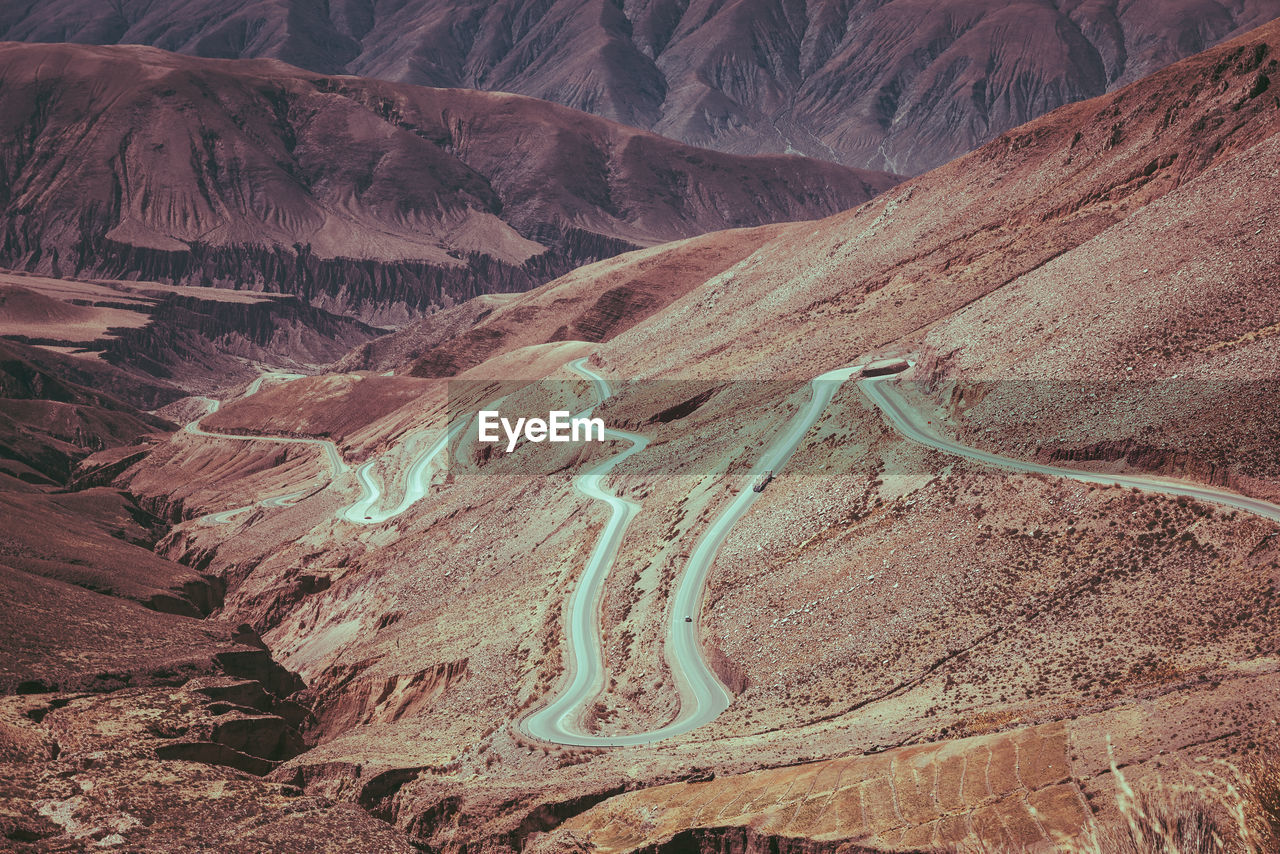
{"x": 900, "y": 86}
{"x": 374, "y": 199}
{"x": 888, "y": 617}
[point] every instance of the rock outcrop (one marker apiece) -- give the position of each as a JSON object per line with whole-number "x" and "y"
{"x": 882, "y": 85}
{"x": 359, "y": 196}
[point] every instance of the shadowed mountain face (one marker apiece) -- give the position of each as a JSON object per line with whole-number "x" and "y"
{"x": 922, "y": 646}
{"x": 48, "y": 423}
{"x": 903, "y": 616}
{"x": 901, "y": 86}
{"x": 362, "y": 197}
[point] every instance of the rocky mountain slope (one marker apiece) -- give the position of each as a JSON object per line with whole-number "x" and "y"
{"x": 360, "y": 197}
{"x": 896, "y": 86}
{"x": 48, "y": 423}
{"x": 112, "y": 663}
{"x": 593, "y": 303}
{"x": 148, "y": 343}
{"x": 888, "y": 617}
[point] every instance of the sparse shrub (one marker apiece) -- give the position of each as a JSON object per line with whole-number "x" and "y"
{"x": 1161, "y": 823}
{"x": 1260, "y": 784}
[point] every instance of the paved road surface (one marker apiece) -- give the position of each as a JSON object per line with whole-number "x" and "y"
{"x": 336, "y": 463}
{"x": 417, "y": 483}
{"x": 557, "y": 721}
{"x": 915, "y": 426}
{"x": 702, "y": 697}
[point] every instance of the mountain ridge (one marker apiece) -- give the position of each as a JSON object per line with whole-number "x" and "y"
{"x": 927, "y": 647}
{"x": 898, "y": 86}
{"x": 363, "y": 197}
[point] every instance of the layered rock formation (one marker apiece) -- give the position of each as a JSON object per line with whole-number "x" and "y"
{"x": 894, "y": 86}
{"x": 360, "y": 197}
{"x": 893, "y": 617}
{"x": 149, "y": 343}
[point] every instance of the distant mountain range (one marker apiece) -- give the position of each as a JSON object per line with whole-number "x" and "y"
{"x": 899, "y": 86}
{"x": 375, "y": 199}
{"x": 206, "y": 647}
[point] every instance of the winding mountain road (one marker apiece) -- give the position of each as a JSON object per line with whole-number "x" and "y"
{"x": 336, "y": 464}
{"x": 915, "y": 427}
{"x": 702, "y": 696}
{"x": 417, "y": 483}
{"x": 364, "y": 511}
{"x": 583, "y": 650}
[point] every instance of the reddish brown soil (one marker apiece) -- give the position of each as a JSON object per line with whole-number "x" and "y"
{"x": 362, "y": 197}
{"x": 900, "y": 83}
{"x": 881, "y": 604}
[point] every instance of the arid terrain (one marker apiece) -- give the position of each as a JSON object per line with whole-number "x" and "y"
{"x": 897, "y": 86}
{"x": 159, "y": 342}
{"x": 334, "y": 620}
{"x": 377, "y": 200}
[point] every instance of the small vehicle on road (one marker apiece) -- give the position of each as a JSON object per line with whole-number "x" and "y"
{"x": 688, "y": 619}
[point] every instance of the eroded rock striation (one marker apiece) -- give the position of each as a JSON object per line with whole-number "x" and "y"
{"x": 362, "y": 197}
{"x": 897, "y": 86}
